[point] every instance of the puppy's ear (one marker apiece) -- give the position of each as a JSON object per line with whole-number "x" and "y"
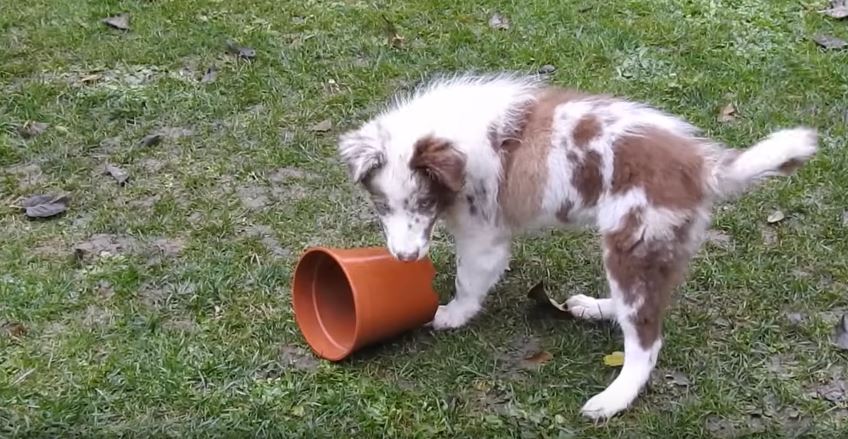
{"x": 362, "y": 151}
{"x": 440, "y": 161}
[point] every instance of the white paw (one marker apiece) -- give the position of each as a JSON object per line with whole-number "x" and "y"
{"x": 585, "y": 307}
{"x": 454, "y": 315}
{"x": 605, "y": 405}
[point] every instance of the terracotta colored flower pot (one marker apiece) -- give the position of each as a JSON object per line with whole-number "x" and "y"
{"x": 345, "y": 299}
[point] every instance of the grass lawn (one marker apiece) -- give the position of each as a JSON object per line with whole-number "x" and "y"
{"x": 162, "y": 307}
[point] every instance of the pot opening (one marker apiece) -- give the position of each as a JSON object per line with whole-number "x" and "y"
{"x": 330, "y": 320}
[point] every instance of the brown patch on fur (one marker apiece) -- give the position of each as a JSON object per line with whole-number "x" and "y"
{"x": 647, "y": 269}
{"x": 525, "y": 171}
{"x": 587, "y": 178}
{"x": 668, "y": 167}
{"x": 564, "y": 211}
{"x": 440, "y": 161}
{"x": 587, "y": 128}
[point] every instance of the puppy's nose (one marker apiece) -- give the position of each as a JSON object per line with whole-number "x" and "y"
{"x": 407, "y": 256}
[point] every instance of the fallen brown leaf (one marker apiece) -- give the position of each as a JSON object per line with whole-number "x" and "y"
{"x": 498, "y": 21}
{"x": 150, "y": 140}
{"x": 242, "y": 52}
{"x": 547, "y": 69}
{"x": 31, "y": 129}
{"x": 840, "y": 333}
{"x": 395, "y": 39}
{"x": 677, "y": 378}
{"x": 45, "y": 206}
{"x": 537, "y": 293}
{"x": 210, "y": 75}
{"x": 323, "y": 126}
{"x": 90, "y": 78}
{"x": 14, "y": 329}
{"x": 776, "y": 217}
{"x": 120, "y": 22}
{"x": 727, "y": 113}
{"x": 538, "y": 359}
{"x": 118, "y": 174}
{"x": 829, "y": 42}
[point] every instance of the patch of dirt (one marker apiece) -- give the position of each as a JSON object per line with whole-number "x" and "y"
{"x": 29, "y": 176}
{"x": 145, "y": 203}
{"x": 832, "y": 316}
{"x": 286, "y": 174}
{"x": 157, "y": 296}
{"x": 103, "y": 244}
{"x": 153, "y": 295}
{"x": 796, "y": 318}
{"x": 187, "y": 325}
{"x": 830, "y": 385}
{"x": 253, "y": 197}
{"x": 105, "y": 290}
{"x": 111, "y": 144}
{"x": 487, "y": 397}
{"x": 514, "y": 358}
{"x": 152, "y": 166}
{"x": 52, "y": 248}
{"x": 769, "y": 237}
{"x": 719, "y": 239}
{"x": 95, "y": 316}
{"x": 297, "y": 358}
{"x": 265, "y": 234}
{"x": 174, "y": 133}
{"x": 782, "y": 366}
{"x": 170, "y": 247}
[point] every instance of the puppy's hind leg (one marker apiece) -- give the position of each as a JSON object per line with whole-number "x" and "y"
{"x": 482, "y": 256}
{"x": 642, "y": 274}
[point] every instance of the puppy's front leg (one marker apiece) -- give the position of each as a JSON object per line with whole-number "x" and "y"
{"x": 481, "y": 257}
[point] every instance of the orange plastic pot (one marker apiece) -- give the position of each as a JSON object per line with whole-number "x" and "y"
{"x": 346, "y": 299}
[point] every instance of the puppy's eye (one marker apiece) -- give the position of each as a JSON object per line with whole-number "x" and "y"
{"x": 427, "y": 203}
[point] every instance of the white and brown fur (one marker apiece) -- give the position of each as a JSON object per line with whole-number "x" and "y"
{"x": 495, "y": 156}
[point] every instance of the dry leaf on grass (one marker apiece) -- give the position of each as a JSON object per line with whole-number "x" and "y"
{"x": 840, "y": 333}
{"x": 118, "y": 174}
{"x": 45, "y": 206}
{"x": 537, "y": 293}
{"x": 537, "y": 359}
{"x": 322, "y": 127}
{"x": 829, "y": 42}
{"x": 498, "y": 21}
{"x": 547, "y": 69}
{"x": 677, "y": 378}
{"x": 150, "y": 140}
{"x": 90, "y": 78}
{"x": 14, "y": 329}
{"x": 31, "y": 129}
{"x": 210, "y": 75}
{"x": 614, "y": 359}
{"x": 394, "y": 38}
{"x": 776, "y": 217}
{"x": 727, "y": 113}
{"x": 120, "y": 22}
{"x": 242, "y": 52}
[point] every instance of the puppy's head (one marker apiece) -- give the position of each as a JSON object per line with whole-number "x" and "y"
{"x": 410, "y": 183}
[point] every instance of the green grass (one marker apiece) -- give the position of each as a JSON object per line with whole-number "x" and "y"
{"x": 200, "y": 341}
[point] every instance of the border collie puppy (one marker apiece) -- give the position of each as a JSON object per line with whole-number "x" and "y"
{"x": 498, "y": 155}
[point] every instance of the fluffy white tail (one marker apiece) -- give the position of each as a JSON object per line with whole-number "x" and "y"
{"x": 780, "y": 154}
